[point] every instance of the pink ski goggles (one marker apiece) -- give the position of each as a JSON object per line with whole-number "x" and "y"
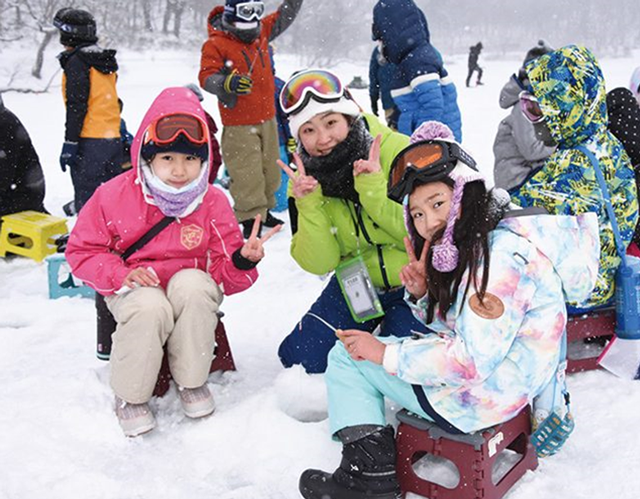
{"x": 531, "y": 107}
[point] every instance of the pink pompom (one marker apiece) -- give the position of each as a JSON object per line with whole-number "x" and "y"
{"x": 430, "y": 130}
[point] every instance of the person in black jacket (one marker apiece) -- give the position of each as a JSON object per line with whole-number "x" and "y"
{"x": 624, "y": 123}
{"x": 92, "y": 148}
{"x": 474, "y": 53}
{"x": 21, "y": 178}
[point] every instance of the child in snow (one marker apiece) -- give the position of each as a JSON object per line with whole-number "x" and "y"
{"x": 518, "y": 152}
{"x": 566, "y": 103}
{"x": 421, "y": 88}
{"x": 492, "y": 289}
{"x": 21, "y": 177}
{"x": 167, "y": 294}
{"x": 92, "y": 146}
{"x": 340, "y": 215}
{"x": 235, "y": 67}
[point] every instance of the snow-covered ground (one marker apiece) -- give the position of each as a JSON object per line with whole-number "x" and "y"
{"x": 59, "y": 438}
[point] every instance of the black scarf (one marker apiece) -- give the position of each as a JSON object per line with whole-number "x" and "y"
{"x": 335, "y": 170}
{"x": 244, "y": 35}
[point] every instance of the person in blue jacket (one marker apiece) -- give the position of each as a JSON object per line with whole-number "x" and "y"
{"x": 381, "y": 73}
{"x": 421, "y": 88}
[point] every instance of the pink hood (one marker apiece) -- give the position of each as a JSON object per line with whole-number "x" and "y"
{"x": 172, "y": 100}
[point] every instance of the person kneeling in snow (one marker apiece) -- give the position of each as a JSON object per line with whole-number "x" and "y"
{"x": 341, "y": 219}
{"x": 492, "y": 289}
{"x": 168, "y": 293}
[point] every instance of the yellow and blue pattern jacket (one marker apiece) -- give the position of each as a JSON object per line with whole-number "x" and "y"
{"x": 570, "y": 87}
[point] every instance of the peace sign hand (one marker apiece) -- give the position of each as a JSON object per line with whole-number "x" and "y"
{"x": 302, "y": 184}
{"x": 371, "y": 165}
{"x": 414, "y": 275}
{"x": 253, "y": 247}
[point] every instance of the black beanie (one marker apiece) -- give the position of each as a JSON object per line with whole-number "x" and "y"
{"x": 76, "y": 27}
{"x": 180, "y": 144}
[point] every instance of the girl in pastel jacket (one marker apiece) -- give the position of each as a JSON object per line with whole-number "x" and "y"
{"x": 492, "y": 291}
{"x": 570, "y": 89}
{"x": 167, "y": 294}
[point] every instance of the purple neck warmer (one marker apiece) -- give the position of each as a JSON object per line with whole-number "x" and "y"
{"x": 174, "y": 202}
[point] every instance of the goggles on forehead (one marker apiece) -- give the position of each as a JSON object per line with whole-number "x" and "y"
{"x": 249, "y": 11}
{"x": 320, "y": 84}
{"x": 531, "y": 107}
{"x": 165, "y": 130}
{"x": 427, "y": 161}
{"x": 75, "y": 29}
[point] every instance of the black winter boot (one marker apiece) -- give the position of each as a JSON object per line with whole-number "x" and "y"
{"x": 247, "y": 227}
{"x": 271, "y": 221}
{"x": 367, "y": 471}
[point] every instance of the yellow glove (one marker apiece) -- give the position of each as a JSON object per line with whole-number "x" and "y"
{"x": 238, "y": 84}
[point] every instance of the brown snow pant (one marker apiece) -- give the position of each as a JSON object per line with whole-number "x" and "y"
{"x": 250, "y": 153}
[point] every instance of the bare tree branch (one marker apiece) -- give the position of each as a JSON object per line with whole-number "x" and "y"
{"x": 28, "y": 90}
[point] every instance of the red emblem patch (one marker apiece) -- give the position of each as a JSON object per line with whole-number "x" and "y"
{"x": 191, "y": 236}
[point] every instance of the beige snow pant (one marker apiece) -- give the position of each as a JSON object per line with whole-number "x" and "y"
{"x": 250, "y": 153}
{"x": 184, "y": 318}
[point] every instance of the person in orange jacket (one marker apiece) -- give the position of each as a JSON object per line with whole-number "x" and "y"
{"x": 92, "y": 149}
{"x": 235, "y": 66}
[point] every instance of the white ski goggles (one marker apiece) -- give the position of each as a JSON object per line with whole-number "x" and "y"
{"x": 250, "y": 11}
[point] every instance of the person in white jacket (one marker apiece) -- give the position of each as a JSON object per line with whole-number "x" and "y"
{"x": 490, "y": 287}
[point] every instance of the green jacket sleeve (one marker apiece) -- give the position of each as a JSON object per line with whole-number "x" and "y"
{"x": 314, "y": 246}
{"x": 372, "y": 188}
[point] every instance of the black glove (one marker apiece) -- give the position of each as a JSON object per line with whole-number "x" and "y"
{"x": 392, "y": 120}
{"x": 68, "y": 156}
{"x": 238, "y": 84}
{"x": 374, "y": 106}
{"x": 61, "y": 243}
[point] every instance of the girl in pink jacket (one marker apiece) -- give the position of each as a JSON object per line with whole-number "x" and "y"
{"x": 166, "y": 294}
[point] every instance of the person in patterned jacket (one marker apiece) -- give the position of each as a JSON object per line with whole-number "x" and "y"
{"x": 491, "y": 288}
{"x": 567, "y": 104}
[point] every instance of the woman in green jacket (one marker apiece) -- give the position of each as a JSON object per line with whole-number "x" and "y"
{"x": 341, "y": 218}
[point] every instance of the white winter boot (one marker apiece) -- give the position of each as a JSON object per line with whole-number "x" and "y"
{"x": 196, "y": 402}
{"x": 135, "y": 419}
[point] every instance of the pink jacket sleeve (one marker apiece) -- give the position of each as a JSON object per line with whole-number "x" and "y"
{"x": 89, "y": 250}
{"x": 226, "y": 238}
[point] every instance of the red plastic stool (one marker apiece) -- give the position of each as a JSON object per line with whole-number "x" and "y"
{"x": 223, "y": 361}
{"x": 596, "y": 328}
{"x": 474, "y": 455}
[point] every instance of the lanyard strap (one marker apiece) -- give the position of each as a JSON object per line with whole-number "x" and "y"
{"x": 607, "y": 199}
{"x": 146, "y": 237}
{"x": 359, "y": 224}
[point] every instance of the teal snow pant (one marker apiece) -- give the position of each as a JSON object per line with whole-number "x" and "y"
{"x": 356, "y": 391}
